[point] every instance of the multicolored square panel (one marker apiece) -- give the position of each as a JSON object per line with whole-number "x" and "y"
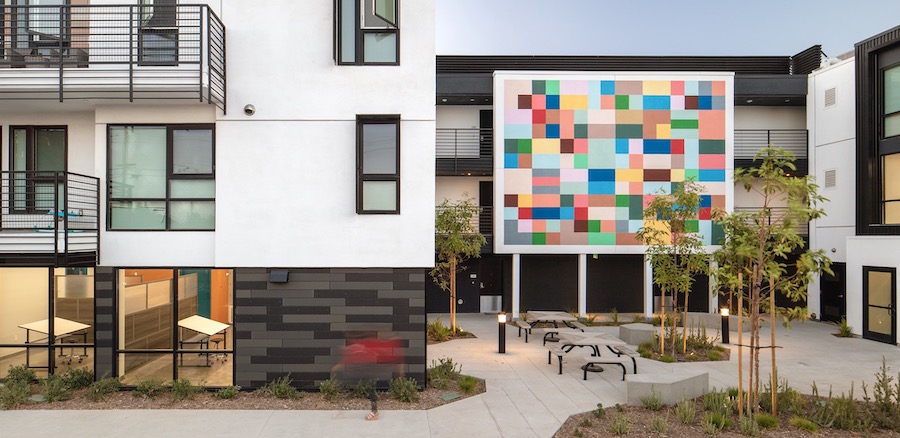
{"x": 578, "y": 156}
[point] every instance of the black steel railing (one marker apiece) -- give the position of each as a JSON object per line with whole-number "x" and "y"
{"x": 464, "y": 151}
{"x": 113, "y": 52}
{"x": 775, "y": 215}
{"x": 46, "y": 213}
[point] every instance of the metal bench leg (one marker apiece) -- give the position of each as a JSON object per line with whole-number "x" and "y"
{"x": 560, "y": 364}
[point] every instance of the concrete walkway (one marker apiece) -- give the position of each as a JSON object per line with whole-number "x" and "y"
{"x": 525, "y": 397}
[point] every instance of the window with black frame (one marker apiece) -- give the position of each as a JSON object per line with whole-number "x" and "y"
{"x": 889, "y": 146}
{"x": 162, "y": 177}
{"x": 378, "y": 164}
{"x": 37, "y": 160}
{"x": 158, "y": 33}
{"x": 366, "y": 32}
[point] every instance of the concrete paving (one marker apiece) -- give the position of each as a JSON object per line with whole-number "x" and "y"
{"x": 525, "y": 396}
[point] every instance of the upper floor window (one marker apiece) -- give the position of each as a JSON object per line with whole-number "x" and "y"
{"x": 889, "y": 145}
{"x": 366, "y": 32}
{"x": 378, "y": 164}
{"x": 162, "y": 177}
{"x": 37, "y": 154}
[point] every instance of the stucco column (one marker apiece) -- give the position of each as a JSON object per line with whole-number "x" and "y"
{"x": 516, "y": 276}
{"x": 582, "y": 284}
{"x": 648, "y": 287}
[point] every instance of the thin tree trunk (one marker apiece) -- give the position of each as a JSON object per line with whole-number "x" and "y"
{"x": 684, "y": 325}
{"x": 774, "y": 369}
{"x": 453, "y": 295}
{"x": 740, "y": 347}
{"x": 662, "y": 319}
{"x": 674, "y": 321}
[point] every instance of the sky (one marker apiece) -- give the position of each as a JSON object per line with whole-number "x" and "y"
{"x": 658, "y": 27}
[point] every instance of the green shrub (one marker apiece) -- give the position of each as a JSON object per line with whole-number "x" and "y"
{"x": 442, "y": 372}
{"x": 54, "y": 388}
{"x": 578, "y": 433}
{"x": 14, "y": 394}
{"x": 600, "y": 412}
{"x": 467, "y": 384}
{"x": 767, "y": 421}
{"x": 646, "y": 350}
{"x": 20, "y": 374}
{"x": 183, "y": 389}
{"x": 100, "y": 389}
{"x": 667, "y": 358}
{"x": 363, "y": 389}
{"x": 718, "y": 401}
{"x": 685, "y": 411}
{"x": 404, "y": 389}
{"x": 844, "y": 329}
{"x": 587, "y": 423}
{"x": 836, "y": 412}
{"x": 789, "y": 400}
{"x": 748, "y": 426}
{"x": 714, "y": 355}
{"x": 619, "y": 408}
{"x": 885, "y": 408}
{"x": 652, "y": 401}
{"x": 438, "y": 331}
{"x": 658, "y": 424}
{"x": 149, "y": 388}
{"x": 77, "y": 378}
{"x": 715, "y": 422}
{"x": 331, "y": 388}
{"x": 281, "y": 388}
{"x": 805, "y": 424}
{"x": 615, "y": 315}
{"x": 227, "y": 392}
{"x": 619, "y": 425}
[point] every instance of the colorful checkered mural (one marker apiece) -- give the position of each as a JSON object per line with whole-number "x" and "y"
{"x": 577, "y": 157}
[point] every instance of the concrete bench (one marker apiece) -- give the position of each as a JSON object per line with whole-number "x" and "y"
{"x": 671, "y": 388}
{"x": 637, "y": 333}
{"x": 522, "y": 325}
{"x": 554, "y": 349}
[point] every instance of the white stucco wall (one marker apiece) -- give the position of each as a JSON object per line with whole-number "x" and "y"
{"x": 460, "y": 116}
{"x": 876, "y": 251}
{"x": 456, "y": 187}
{"x": 286, "y": 181}
{"x": 769, "y": 117}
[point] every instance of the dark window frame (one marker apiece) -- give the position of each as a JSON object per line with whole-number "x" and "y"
{"x": 170, "y": 176}
{"x": 30, "y": 166}
{"x": 361, "y": 176}
{"x": 174, "y": 350}
{"x": 36, "y": 39}
{"x": 359, "y": 35}
{"x": 865, "y": 302}
{"x": 873, "y": 56}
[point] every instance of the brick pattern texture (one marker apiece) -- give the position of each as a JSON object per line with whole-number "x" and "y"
{"x": 302, "y": 327}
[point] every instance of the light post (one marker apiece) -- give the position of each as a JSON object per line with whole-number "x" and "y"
{"x": 501, "y": 340}
{"x": 725, "y": 330}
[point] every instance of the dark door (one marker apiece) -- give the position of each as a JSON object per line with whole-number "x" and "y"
{"x": 486, "y": 137}
{"x": 437, "y": 300}
{"x": 486, "y": 208}
{"x": 879, "y": 304}
{"x": 833, "y": 290}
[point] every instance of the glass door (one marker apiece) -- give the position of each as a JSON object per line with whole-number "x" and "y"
{"x": 879, "y": 304}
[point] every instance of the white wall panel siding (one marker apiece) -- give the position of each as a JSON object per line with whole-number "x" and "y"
{"x": 769, "y": 117}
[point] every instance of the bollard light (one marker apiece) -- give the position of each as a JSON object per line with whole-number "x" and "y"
{"x": 725, "y": 330}
{"x": 501, "y": 339}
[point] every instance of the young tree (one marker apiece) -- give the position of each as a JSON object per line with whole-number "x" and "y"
{"x": 765, "y": 239}
{"x": 456, "y": 239}
{"x": 675, "y": 248}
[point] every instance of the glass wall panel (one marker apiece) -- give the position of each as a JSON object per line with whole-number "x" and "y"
{"x": 138, "y": 161}
{"x": 892, "y": 90}
{"x": 880, "y": 288}
{"x": 380, "y": 47}
{"x": 145, "y": 306}
{"x": 49, "y": 149}
{"x": 379, "y": 195}
{"x": 74, "y": 323}
{"x": 137, "y": 215}
{"x": 892, "y": 125}
{"x": 347, "y": 51}
{"x": 192, "y": 215}
{"x": 192, "y": 188}
{"x": 136, "y": 367}
{"x": 192, "y": 151}
{"x": 380, "y": 148}
{"x": 879, "y": 321}
{"x": 24, "y": 303}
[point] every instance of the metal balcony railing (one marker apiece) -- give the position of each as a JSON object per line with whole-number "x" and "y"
{"x": 50, "y": 218}
{"x": 112, "y": 52}
{"x": 464, "y": 151}
{"x": 776, "y": 214}
{"x": 747, "y": 142}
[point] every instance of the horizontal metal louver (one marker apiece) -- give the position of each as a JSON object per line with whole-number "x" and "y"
{"x": 830, "y": 178}
{"x": 830, "y": 97}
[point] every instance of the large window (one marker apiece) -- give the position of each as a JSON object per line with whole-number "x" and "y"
{"x": 378, "y": 164}
{"x": 37, "y": 154}
{"x": 888, "y": 145}
{"x": 366, "y": 32}
{"x": 175, "y": 323}
{"x": 29, "y": 337}
{"x": 162, "y": 177}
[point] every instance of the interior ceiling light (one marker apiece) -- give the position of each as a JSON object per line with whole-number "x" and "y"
{"x": 749, "y": 100}
{"x": 444, "y": 100}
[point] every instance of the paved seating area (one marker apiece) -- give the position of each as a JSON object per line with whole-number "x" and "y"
{"x": 525, "y": 396}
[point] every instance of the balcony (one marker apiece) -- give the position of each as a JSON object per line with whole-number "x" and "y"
{"x": 464, "y": 151}
{"x": 747, "y": 142}
{"x": 112, "y": 53}
{"x": 776, "y": 214}
{"x": 49, "y": 219}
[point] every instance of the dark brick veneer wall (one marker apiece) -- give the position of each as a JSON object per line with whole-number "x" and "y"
{"x": 104, "y": 322}
{"x": 301, "y": 327}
